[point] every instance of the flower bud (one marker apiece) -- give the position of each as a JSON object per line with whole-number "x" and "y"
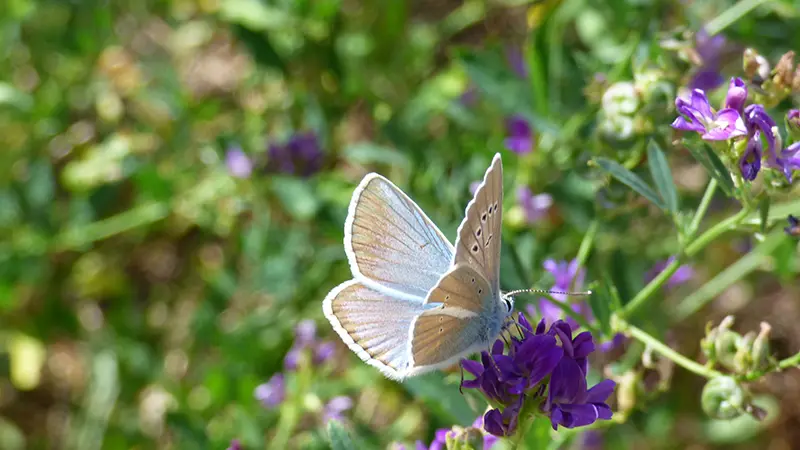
{"x": 756, "y": 67}
{"x": 737, "y": 94}
{"x": 760, "y": 354}
{"x": 464, "y": 439}
{"x": 742, "y": 360}
{"x": 621, "y": 99}
{"x": 793, "y": 124}
{"x": 723, "y": 398}
{"x": 783, "y": 75}
{"x": 720, "y": 343}
{"x": 796, "y": 81}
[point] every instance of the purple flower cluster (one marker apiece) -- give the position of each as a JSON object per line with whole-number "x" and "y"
{"x": 746, "y": 125}
{"x": 272, "y": 393}
{"x": 299, "y": 155}
{"x": 536, "y": 206}
{"x": 565, "y": 274}
{"x": 535, "y": 368}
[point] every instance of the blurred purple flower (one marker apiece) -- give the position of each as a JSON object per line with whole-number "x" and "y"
{"x": 488, "y": 439}
{"x": 794, "y": 226}
{"x": 592, "y": 440}
{"x": 306, "y": 338}
{"x": 696, "y": 115}
{"x": 684, "y": 273}
{"x": 238, "y": 163}
{"x": 440, "y": 439}
{"x": 616, "y": 342}
{"x": 516, "y": 60}
{"x": 235, "y": 445}
{"x": 335, "y": 408}
{"x": 534, "y": 206}
{"x": 569, "y": 403}
{"x": 272, "y": 393}
{"x": 470, "y": 95}
{"x": 708, "y": 77}
{"x": 520, "y": 135}
{"x": 564, "y": 273}
{"x": 793, "y": 121}
{"x": 474, "y": 187}
{"x": 299, "y": 155}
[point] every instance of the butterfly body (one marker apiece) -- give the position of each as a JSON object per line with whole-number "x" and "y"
{"x": 417, "y": 303}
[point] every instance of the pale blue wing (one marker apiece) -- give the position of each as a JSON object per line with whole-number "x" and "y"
{"x": 374, "y": 324}
{"x": 467, "y": 319}
{"x": 390, "y": 240}
{"x": 478, "y": 241}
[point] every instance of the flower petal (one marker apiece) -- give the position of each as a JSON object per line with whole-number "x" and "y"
{"x": 600, "y": 392}
{"x": 727, "y": 125}
{"x": 699, "y": 102}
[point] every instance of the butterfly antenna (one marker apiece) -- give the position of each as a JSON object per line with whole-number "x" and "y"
{"x": 546, "y": 291}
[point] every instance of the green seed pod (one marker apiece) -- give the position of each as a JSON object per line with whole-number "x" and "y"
{"x": 723, "y": 398}
{"x": 742, "y": 361}
{"x": 759, "y": 354}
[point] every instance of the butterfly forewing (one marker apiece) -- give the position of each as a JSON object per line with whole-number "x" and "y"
{"x": 464, "y": 288}
{"x": 478, "y": 242}
{"x": 390, "y": 240}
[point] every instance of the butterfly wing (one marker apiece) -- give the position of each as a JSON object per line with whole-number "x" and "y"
{"x": 374, "y": 324}
{"x": 478, "y": 242}
{"x": 389, "y": 239}
{"x": 463, "y": 321}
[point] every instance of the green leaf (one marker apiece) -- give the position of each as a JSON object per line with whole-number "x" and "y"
{"x": 631, "y": 180}
{"x": 442, "y": 398}
{"x": 297, "y": 197}
{"x": 495, "y": 80}
{"x": 714, "y": 166}
{"x": 600, "y": 303}
{"x": 662, "y": 175}
{"x": 340, "y": 439}
{"x": 763, "y": 212}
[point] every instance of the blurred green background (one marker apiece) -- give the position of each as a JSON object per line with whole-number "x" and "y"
{"x": 152, "y": 276}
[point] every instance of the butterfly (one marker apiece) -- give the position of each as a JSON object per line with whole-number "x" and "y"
{"x": 417, "y": 303}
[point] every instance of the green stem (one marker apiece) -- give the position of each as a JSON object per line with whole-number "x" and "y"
{"x": 701, "y": 210}
{"x": 587, "y": 243}
{"x": 733, "y": 273}
{"x": 731, "y": 15}
{"x": 695, "y": 246}
{"x": 669, "y": 353}
{"x": 792, "y": 361}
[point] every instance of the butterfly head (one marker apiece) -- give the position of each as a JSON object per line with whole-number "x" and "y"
{"x": 508, "y": 303}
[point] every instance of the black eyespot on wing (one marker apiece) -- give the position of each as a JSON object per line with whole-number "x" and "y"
{"x": 478, "y": 232}
{"x": 483, "y": 217}
{"x": 473, "y": 280}
{"x": 480, "y": 291}
{"x": 475, "y": 248}
{"x": 441, "y": 330}
{"x": 488, "y": 240}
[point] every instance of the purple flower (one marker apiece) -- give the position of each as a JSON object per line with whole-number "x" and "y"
{"x": 569, "y": 403}
{"x": 300, "y": 155}
{"x": 272, "y": 393}
{"x": 335, "y": 408}
{"x": 502, "y": 423}
{"x": 238, "y": 163}
{"x": 324, "y": 352}
{"x": 534, "y": 206}
{"x": 305, "y": 332}
{"x": 533, "y": 364}
{"x": 750, "y": 161}
{"x": 520, "y": 135}
{"x": 793, "y": 121}
{"x": 564, "y": 273}
{"x": 789, "y": 160}
{"x": 696, "y": 115}
{"x": 794, "y": 226}
{"x": 710, "y": 49}
{"x": 235, "y": 445}
{"x": 440, "y": 439}
{"x": 684, "y": 273}
{"x": 757, "y": 120}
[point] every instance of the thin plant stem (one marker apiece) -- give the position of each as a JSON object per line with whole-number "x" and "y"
{"x": 694, "y": 246}
{"x": 731, "y": 15}
{"x": 567, "y": 309}
{"x": 701, "y": 210}
{"x": 669, "y": 353}
{"x": 788, "y": 363}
